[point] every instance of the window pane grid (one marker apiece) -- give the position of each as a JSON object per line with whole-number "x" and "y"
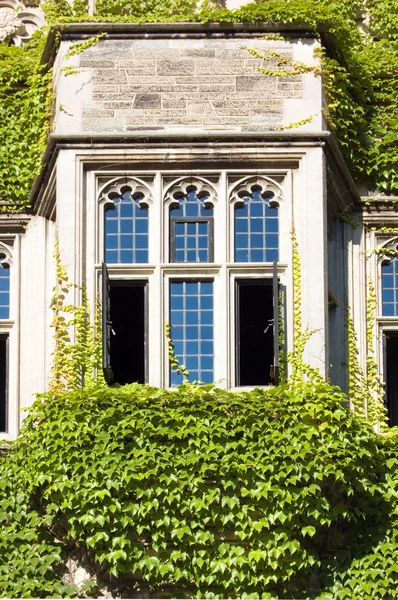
{"x": 191, "y": 242}
{"x": 191, "y": 320}
{"x": 191, "y": 238}
{"x": 126, "y": 232}
{"x": 389, "y": 286}
{"x": 4, "y": 292}
{"x": 256, "y": 230}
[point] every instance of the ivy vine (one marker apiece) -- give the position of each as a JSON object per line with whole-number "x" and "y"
{"x": 359, "y": 74}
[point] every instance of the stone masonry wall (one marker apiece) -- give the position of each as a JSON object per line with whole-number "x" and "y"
{"x": 155, "y": 84}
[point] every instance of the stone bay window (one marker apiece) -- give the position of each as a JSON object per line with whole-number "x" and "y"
{"x": 200, "y": 253}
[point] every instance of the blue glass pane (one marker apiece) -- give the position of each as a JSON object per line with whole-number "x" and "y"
{"x": 4, "y": 283}
{"x": 111, "y": 226}
{"x": 125, "y": 210}
{"x": 388, "y": 310}
{"x": 141, "y": 256}
{"x": 388, "y": 295}
{"x": 389, "y": 288}
{"x": 271, "y": 255}
{"x": 126, "y": 257}
{"x": 257, "y": 256}
{"x": 192, "y": 318}
{"x": 126, "y": 226}
{"x": 111, "y": 242}
{"x": 191, "y": 255}
{"x": 111, "y": 256}
{"x": 4, "y": 312}
{"x": 387, "y": 268}
{"x": 388, "y": 281}
{"x": 177, "y": 317}
{"x": 256, "y": 230}
{"x": 193, "y": 344}
{"x": 126, "y": 232}
{"x": 125, "y": 242}
{"x": 191, "y": 210}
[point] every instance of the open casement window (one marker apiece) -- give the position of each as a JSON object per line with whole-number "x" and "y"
{"x": 3, "y": 382}
{"x": 390, "y": 355}
{"x": 257, "y": 331}
{"x": 124, "y": 330}
{"x": 191, "y": 222}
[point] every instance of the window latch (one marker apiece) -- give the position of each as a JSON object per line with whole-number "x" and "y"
{"x": 109, "y": 324}
{"x": 270, "y": 323}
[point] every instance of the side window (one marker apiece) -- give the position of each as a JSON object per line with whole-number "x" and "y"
{"x": 389, "y": 288}
{"x": 126, "y": 230}
{"x": 191, "y": 328}
{"x": 256, "y": 226}
{"x": 191, "y": 228}
{"x": 4, "y": 291}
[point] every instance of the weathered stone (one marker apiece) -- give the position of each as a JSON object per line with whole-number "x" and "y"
{"x": 109, "y": 76}
{"x": 220, "y": 67}
{"x": 241, "y": 110}
{"x": 236, "y": 103}
{"x": 217, "y": 88}
{"x": 187, "y": 88}
{"x": 262, "y": 82}
{"x": 171, "y": 112}
{"x": 179, "y": 121}
{"x": 139, "y": 120}
{"x": 98, "y": 63}
{"x": 225, "y": 120}
{"x": 151, "y": 43}
{"x": 144, "y": 81}
{"x": 103, "y": 87}
{"x": 129, "y": 113}
{"x": 144, "y": 89}
{"x": 104, "y": 96}
{"x": 287, "y": 78}
{"x": 200, "y": 108}
{"x": 92, "y": 124}
{"x": 142, "y": 68}
{"x": 238, "y": 53}
{"x": 178, "y": 96}
{"x": 97, "y": 114}
{"x": 118, "y": 105}
{"x": 174, "y": 103}
{"x": 112, "y": 49}
{"x": 198, "y": 53}
{"x": 153, "y": 54}
{"x": 199, "y": 80}
{"x": 147, "y": 101}
{"x": 175, "y": 67}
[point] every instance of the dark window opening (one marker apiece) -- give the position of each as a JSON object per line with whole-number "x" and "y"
{"x": 128, "y": 308}
{"x": 391, "y": 376}
{"x": 254, "y": 332}
{"x": 3, "y": 381}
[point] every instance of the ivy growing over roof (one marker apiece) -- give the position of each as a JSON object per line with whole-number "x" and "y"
{"x": 359, "y": 71}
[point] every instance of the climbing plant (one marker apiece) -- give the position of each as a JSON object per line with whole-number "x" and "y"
{"x": 359, "y": 73}
{"x": 197, "y": 492}
{"x": 77, "y": 344}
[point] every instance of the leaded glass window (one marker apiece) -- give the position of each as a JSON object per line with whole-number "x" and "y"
{"x": 256, "y": 228}
{"x": 389, "y": 288}
{"x": 126, "y": 230}
{"x": 191, "y": 229}
{"x": 191, "y": 329}
{"x": 4, "y": 291}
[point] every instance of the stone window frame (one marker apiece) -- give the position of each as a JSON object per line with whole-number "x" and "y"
{"x": 222, "y": 271}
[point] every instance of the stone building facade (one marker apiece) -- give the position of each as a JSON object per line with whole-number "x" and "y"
{"x": 182, "y": 167}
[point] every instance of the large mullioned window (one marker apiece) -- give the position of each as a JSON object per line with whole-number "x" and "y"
{"x": 172, "y": 248}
